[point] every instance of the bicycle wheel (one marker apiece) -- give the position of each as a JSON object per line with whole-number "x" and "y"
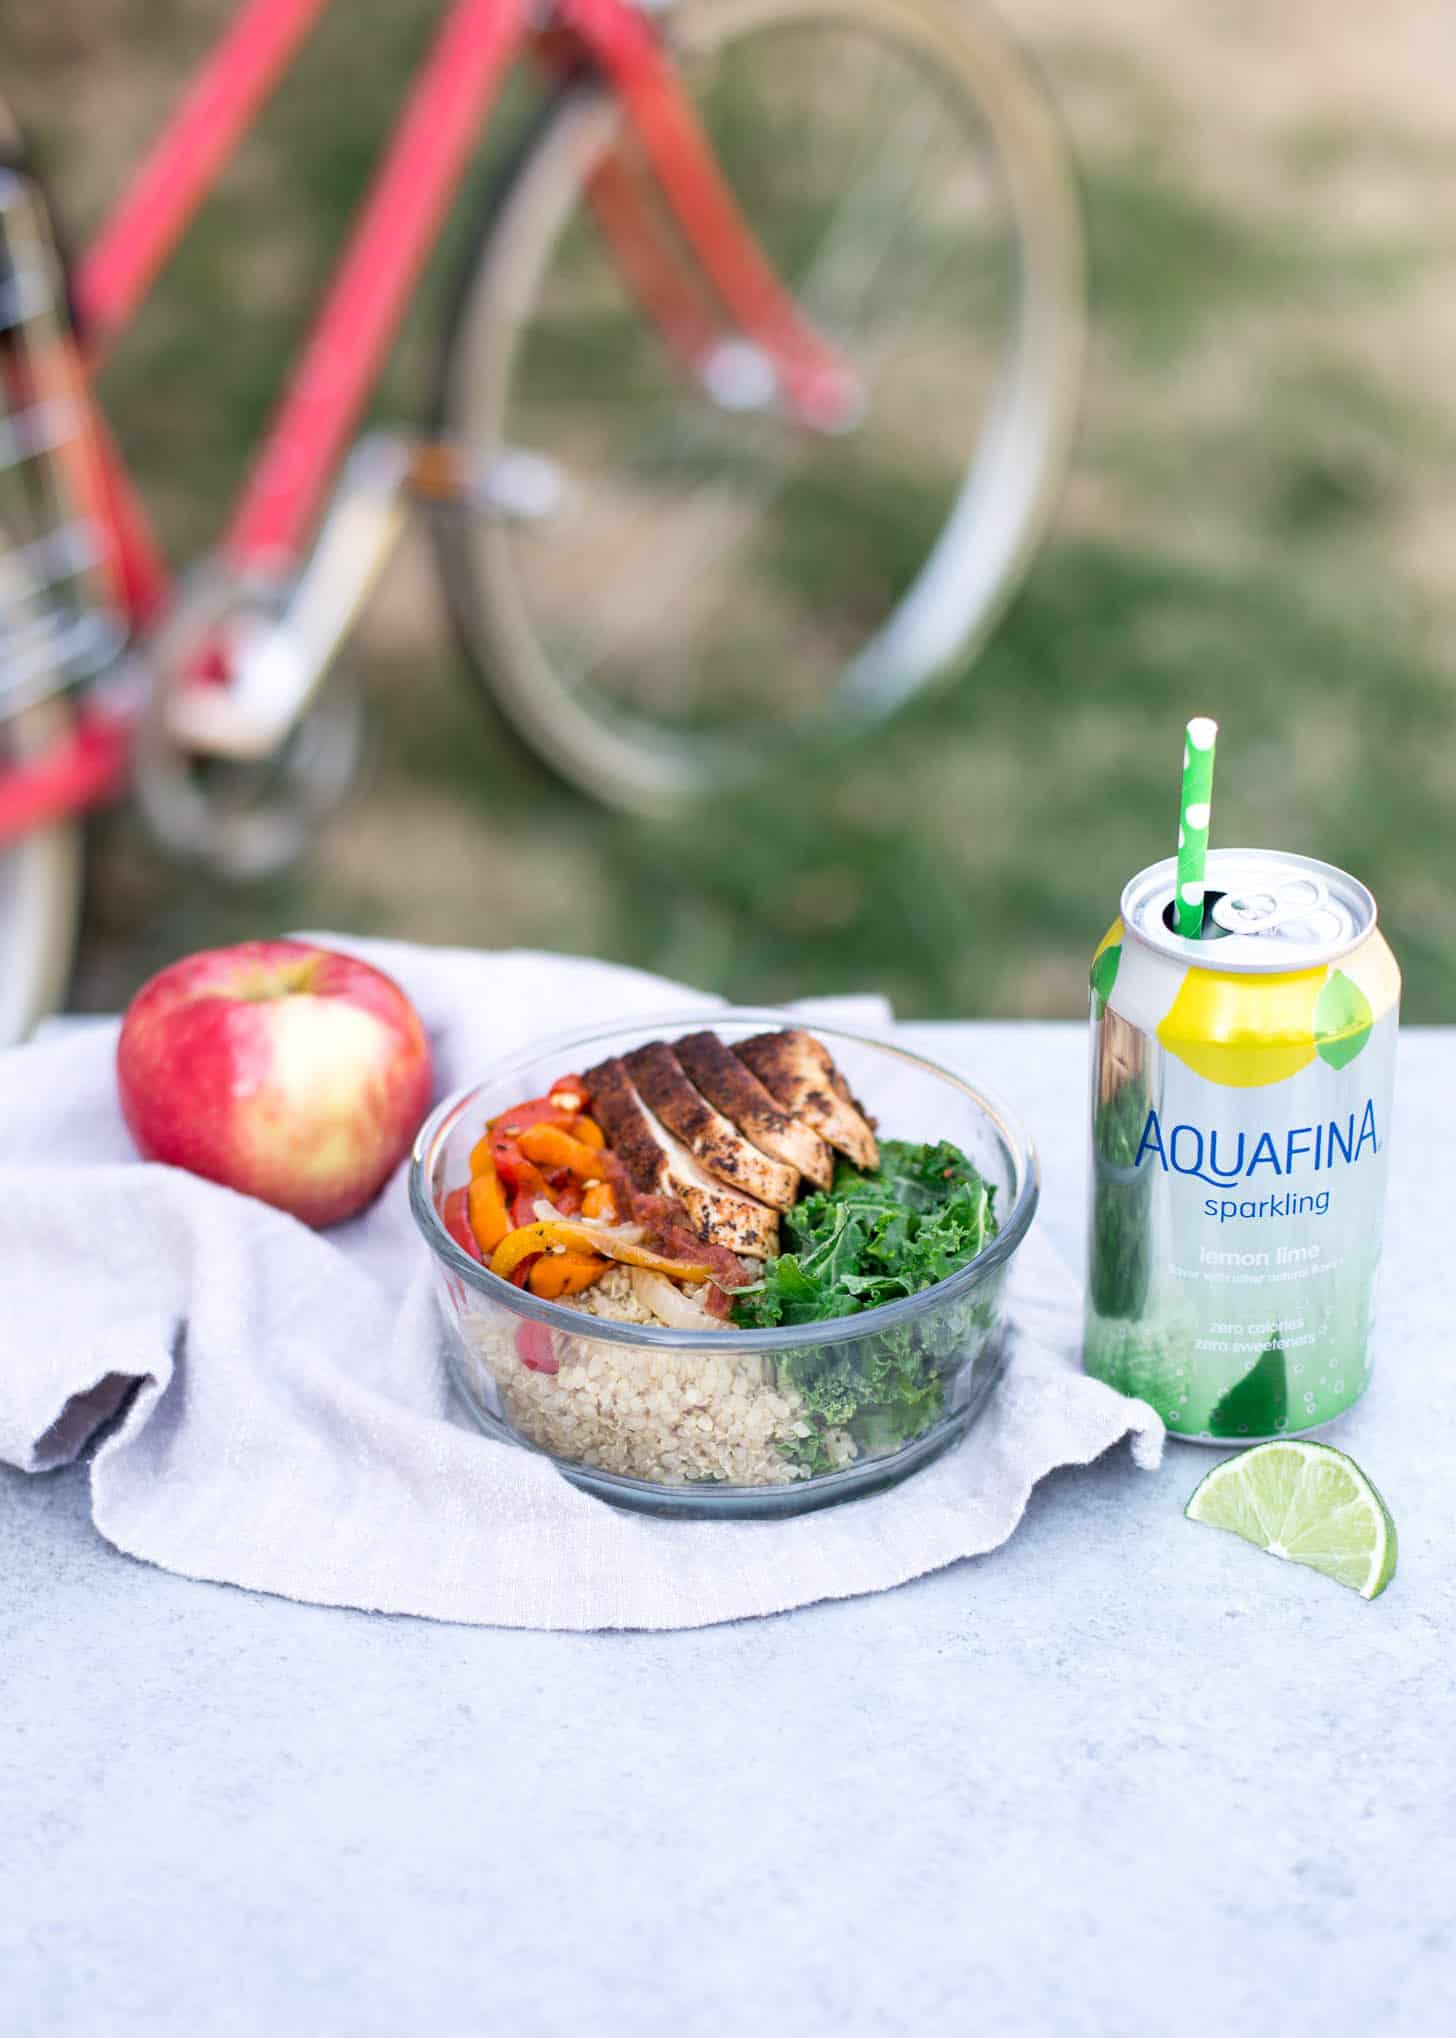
{"x": 719, "y": 585}
{"x": 40, "y": 893}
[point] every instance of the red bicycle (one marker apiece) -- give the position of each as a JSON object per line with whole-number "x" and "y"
{"x": 754, "y": 393}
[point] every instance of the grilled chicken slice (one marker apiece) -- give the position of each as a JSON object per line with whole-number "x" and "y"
{"x": 732, "y": 1088}
{"x": 660, "y": 1165}
{"x": 799, "y": 1072}
{"x": 658, "y": 1078}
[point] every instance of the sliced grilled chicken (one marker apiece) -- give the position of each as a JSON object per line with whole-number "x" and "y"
{"x": 799, "y": 1072}
{"x": 615, "y": 1107}
{"x": 659, "y": 1164}
{"x": 732, "y": 1088}
{"x": 660, "y": 1082}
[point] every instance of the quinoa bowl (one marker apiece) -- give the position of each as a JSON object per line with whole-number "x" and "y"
{"x": 770, "y": 1407}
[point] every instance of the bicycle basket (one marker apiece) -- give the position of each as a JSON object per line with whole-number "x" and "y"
{"x": 58, "y": 625}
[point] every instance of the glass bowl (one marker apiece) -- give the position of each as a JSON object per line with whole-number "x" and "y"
{"x": 700, "y": 1423}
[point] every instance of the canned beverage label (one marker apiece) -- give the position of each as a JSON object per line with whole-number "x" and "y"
{"x": 1241, "y": 1099}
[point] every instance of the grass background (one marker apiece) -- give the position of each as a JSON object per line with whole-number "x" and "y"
{"x": 1258, "y": 526}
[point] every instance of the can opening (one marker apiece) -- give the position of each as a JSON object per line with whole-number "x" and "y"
{"x": 1210, "y": 930}
{"x": 1283, "y": 912}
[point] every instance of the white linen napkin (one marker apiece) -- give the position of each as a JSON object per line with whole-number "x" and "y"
{"x": 282, "y": 1416}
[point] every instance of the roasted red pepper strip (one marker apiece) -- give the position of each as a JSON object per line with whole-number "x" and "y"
{"x": 569, "y": 1093}
{"x": 512, "y": 1165}
{"x": 533, "y": 1342}
{"x": 535, "y": 1111}
{"x": 523, "y": 1180}
{"x": 566, "y": 1197}
{"x": 456, "y": 1220}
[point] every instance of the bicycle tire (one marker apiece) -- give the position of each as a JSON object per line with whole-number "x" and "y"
{"x": 1009, "y": 489}
{"x": 41, "y": 878}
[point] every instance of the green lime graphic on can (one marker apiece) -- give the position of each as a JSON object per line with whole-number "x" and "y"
{"x": 1257, "y": 1405}
{"x": 1342, "y": 1020}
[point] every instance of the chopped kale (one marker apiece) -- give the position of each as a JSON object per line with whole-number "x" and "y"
{"x": 871, "y": 1239}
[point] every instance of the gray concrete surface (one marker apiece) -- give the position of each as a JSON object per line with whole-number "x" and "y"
{"x": 1125, "y": 1777}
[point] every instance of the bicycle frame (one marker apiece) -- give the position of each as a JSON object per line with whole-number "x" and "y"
{"x": 444, "y": 112}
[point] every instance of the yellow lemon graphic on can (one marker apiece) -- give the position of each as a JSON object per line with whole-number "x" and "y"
{"x": 1243, "y": 1032}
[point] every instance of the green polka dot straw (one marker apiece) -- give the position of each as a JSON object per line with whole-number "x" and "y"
{"x": 1193, "y": 816}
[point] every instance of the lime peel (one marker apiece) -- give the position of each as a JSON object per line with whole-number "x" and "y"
{"x": 1307, "y": 1503}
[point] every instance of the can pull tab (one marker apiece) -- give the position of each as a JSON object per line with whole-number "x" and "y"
{"x": 1295, "y": 903}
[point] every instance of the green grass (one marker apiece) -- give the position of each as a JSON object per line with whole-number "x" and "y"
{"x": 983, "y": 843}
{"x": 1168, "y": 261}
{"x": 1264, "y": 432}
{"x": 968, "y": 860}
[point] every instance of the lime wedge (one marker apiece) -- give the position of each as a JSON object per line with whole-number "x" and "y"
{"x": 1308, "y": 1503}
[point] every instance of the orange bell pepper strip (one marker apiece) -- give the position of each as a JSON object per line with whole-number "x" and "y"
{"x": 486, "y": 1201}
{"x": 510, "y": 1163}
{"x": 600, "y": 1201}
{"x": 556, "y": 1274}
{"x": 589, "y": 1133}
{"x": 486, "y": 1198}
{"x": 546, "y": 1232}
{"x": 549, "y": 1147}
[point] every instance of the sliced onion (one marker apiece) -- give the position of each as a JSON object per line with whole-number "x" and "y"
{"x": 624, "y": 1234}
{"x": 668, "y": 1302}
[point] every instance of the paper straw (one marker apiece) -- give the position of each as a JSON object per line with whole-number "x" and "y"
{"x": 1193, "y": 816}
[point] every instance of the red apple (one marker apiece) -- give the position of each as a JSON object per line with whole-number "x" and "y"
{"x": 288, "y": 1072}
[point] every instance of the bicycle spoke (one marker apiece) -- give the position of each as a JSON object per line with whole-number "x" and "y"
{"x": 851, "y": 253}
{"x": 722, "y": 569}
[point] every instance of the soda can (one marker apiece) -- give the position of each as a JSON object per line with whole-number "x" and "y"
{"x": 1241, "y": 1099}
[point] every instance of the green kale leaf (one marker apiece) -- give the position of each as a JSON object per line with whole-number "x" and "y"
{"x": 870, "y": 1239}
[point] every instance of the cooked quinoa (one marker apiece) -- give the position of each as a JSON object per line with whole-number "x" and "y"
{"x": 614, "y": 1296}
{"x": 672, "y": 1417}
